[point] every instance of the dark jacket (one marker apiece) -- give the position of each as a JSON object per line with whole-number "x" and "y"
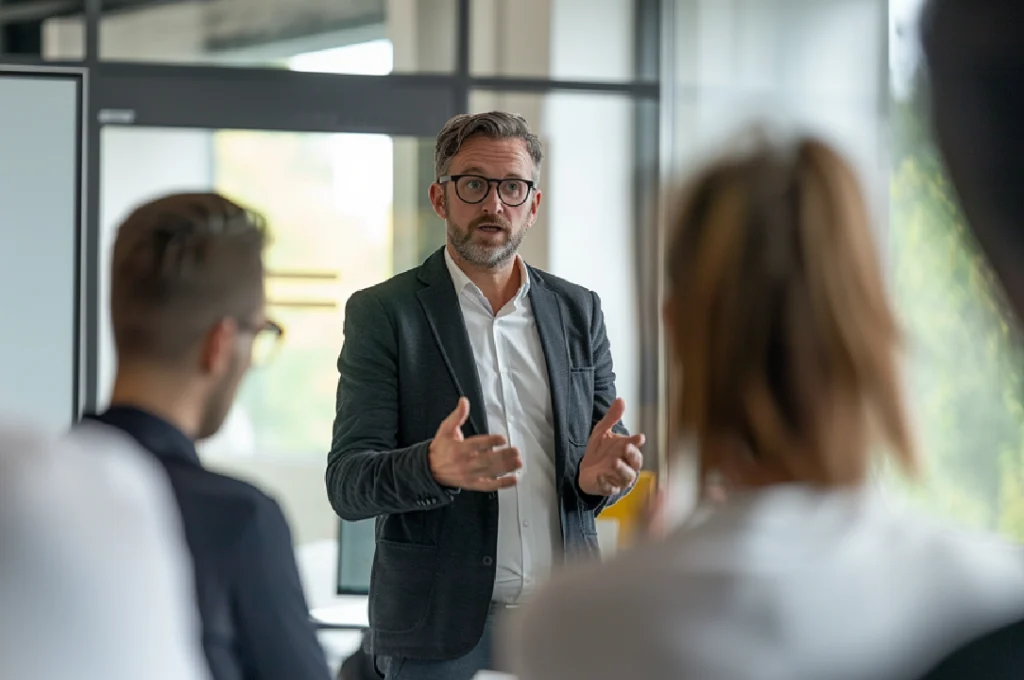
{"x": 999, "y": 655}
{"x": 256, "y": 625}
{"x": 405, "y": 362}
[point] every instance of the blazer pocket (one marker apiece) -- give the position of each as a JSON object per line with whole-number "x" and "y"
{"x": 401, "y": 585}
{"x": 581, "y": 404}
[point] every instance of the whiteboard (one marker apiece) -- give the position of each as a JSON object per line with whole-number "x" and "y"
{"x": 41, "y": 229}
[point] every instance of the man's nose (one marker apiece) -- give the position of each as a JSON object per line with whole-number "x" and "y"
{"x": 492, "y": 202}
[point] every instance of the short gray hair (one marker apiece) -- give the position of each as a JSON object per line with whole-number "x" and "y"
{"x": 493, "y": 124}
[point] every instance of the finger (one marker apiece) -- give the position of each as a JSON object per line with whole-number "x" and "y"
{"x": 492, "y": 484}
{"x": 483, "y": 442}
{"x": 605, "y": 485}
{"x": 451, "y": 426}
{"x": 502, "y": 461}
{"x": 633, "y": 458}
{"x": 611, "y": 417}
{"x": 618, "y": 447}
{"x": 495, "y": 462}
{"x": 638, "y": 439}
{"x": 621, "y": 475}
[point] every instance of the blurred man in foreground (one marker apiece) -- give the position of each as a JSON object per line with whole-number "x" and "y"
{"x": 187, "y": 307}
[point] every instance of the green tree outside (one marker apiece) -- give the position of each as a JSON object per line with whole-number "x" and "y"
{"x": 965, "y": 372}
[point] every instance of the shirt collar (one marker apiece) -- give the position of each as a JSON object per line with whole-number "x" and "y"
{"x": 462, "y": 282}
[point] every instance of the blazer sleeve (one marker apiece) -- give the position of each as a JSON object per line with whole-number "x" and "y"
{"x": 604, "y": 395}
{"x": 367, "y": 474}
{"x": 276, "y": 636}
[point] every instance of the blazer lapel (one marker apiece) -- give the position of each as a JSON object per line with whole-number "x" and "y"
{"x": 547, "y": 312}
{"x": 441, "y": 306}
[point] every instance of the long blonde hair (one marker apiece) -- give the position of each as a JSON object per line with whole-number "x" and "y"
{"x": 780, "y": 320}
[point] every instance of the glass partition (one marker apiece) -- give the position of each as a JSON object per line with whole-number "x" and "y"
{"x": 368, "y": 37}
{"x": 967, "y": 365}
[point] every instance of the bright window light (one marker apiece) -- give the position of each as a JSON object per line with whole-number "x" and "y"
{"x": 373, "y": 58}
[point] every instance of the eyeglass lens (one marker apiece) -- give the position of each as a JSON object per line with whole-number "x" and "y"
{"x": 473, "y": 189}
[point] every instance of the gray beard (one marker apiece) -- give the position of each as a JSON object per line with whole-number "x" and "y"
{"x": 484, "y": 256}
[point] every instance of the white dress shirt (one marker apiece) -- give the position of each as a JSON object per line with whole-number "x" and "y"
{"x": 783, "y": 584}
{"x": 513, "y": 377}
{"x": 95, "y": 579}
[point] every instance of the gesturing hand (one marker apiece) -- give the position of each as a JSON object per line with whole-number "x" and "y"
{"x": 475, "y": 464}
{"x": 612, "y": 461}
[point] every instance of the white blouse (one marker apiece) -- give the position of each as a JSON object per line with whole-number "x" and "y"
{"x": 787, "y": 583}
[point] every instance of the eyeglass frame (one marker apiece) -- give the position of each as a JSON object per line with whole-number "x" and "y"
{"x": 267, "y": 325}
{"x": 454, "y": 179}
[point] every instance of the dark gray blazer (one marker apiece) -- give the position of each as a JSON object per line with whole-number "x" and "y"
{"x": 405, "y": 362}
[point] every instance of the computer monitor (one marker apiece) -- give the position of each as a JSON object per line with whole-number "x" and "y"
{"x": 356, "y": 542}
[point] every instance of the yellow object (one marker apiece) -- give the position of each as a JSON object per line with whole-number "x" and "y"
{"x": 630, "y": 510}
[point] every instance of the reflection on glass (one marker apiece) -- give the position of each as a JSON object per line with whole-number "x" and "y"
{"x": 967, "y": 373}
{"x": 404, "y": 36}
{"x": 373, "y": 58}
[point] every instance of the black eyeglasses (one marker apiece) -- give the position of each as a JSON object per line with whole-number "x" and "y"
{"x": 267, "y": 340}
{"x": 475, "y": 188}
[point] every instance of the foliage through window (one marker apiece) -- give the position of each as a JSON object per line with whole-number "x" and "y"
{"x": 965, "y": 379}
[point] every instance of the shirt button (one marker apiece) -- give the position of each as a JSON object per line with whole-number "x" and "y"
{"x": 526, "y": 523}
{"x": 488, "y": 561}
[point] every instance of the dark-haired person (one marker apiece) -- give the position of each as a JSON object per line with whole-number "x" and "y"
{"x": 477, "y": 417}
{"x": 187, "y": 305}
{"x": 975, "y": 57}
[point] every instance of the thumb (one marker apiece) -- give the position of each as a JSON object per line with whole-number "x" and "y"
{"x": 614, "y": 415}
{"x": 452, "y": 425}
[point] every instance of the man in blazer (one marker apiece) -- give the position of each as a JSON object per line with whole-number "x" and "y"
{"x": 187, "y": 308}
{"x": 477, "y": 419}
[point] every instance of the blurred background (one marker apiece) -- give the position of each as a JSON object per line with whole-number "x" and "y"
{"x": 322, "y": 114}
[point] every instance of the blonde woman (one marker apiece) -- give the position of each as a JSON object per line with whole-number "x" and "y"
{"x": 780, "y": 324}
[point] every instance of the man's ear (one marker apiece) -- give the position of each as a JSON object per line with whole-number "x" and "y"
{"x": 436, "y": 194}
{"x": 218, "y": 347}
{"x": 535, "y": 205}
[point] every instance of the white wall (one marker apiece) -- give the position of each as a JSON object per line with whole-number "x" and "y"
{"x": 591, "y": 39}
{"x": 816, "y": 65}
{"x": 39, "y": 219}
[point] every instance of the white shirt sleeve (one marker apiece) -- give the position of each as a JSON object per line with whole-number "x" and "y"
{"x": 95, "y": 578}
